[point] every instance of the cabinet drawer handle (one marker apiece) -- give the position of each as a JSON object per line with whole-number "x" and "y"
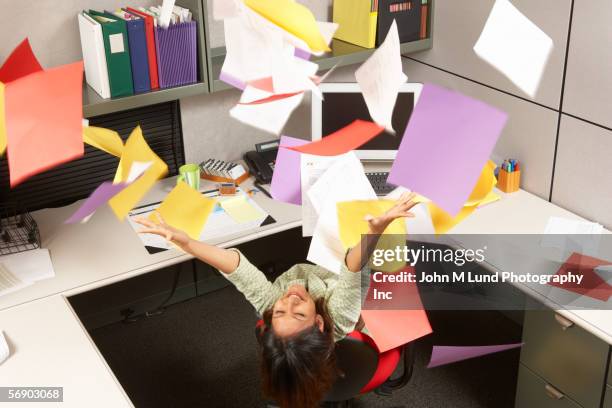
{"x": 553, "y": 393}
{"x": 565, "y": 323}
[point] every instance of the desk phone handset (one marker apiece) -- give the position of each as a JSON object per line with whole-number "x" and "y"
{"x": 261, "y": 161}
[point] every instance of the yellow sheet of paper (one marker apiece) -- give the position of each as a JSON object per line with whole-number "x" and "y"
{"x": 241, "y": 210}
{"x": 106, "y": 140}
{"x": 136, "y": 149}
{"x": 186, "y": 209}
{"x": 443, "y": 222}
{"x": 352, "y": 224}
{"x": 490, "y": 198}
{"x": 2, "y": 121}
{"x": 293, "y": 18}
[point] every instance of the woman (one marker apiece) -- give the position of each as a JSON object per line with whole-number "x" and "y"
{"x": 305, "y": 311}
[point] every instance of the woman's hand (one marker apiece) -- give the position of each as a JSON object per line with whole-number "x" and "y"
{"x": 178, "y": 237}
{"x": 401, "y": 209}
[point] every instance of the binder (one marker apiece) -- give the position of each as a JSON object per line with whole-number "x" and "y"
{"x": 114, "y": 35}
{"x": 357, "y": 21}
{"x": 407, "y": 13}
{"x": 139, "y": 58}
{"x": 151, "y": 53}
{"x": 94, "y": 57}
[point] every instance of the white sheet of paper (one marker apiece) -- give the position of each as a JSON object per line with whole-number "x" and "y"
{"x": 4, "y": 348}
{"x": 572, "y": 236}
{"x": 166, "y": 13}
{"x": 29, "y": 266}
{"x": 9, "y": 282}
{"x": 270, "y": 116}
{"x": 137, "y": 169}
{"x": 381, "y": 77}
{"x": 421, "y": 224}
{"x": 605, "y": 272}
{"x": 344, "y": 180}
{"x": 291, "y": 74}
{"x": 311, "y": 169}
{"x": 515, "y": 46}
{"x": 223, "y": 9}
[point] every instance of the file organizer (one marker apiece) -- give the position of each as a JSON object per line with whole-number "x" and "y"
{"x": 408, "y": 17}
{"x": 357, "y": 22}
{"x": 176, "y": 54}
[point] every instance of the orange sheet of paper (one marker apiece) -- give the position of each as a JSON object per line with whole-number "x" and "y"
{"x": 390, "y": 328}
{"x": 106, "y": 140}
{"x": 342, "y": 141}
{"x": 136, "y": 149}
{"x": 44, "y": 113}
{"x": 20, "y": 63}
{"x": 592, "y": 284}
{"x": 185, "y": 209}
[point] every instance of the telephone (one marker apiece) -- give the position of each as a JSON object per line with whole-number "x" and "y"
{"x": 261, "y": 161}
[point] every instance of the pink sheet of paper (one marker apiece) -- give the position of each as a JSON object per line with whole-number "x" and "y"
{"x": 44, "y": 113}
{"x": 99, "y": 197}
{"x": 286, "y": 183}
{"x": 447, "y": 142}
{"x": 442, "y": 355}
{"x": 344, "y": 140}
{"x": 391, "y": 328}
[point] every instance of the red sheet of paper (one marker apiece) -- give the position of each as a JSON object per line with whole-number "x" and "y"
{"x": 592, "y": 284}
{"x": 20, "y": 63}
{"x": 44, "y": 113}
{"x": 342, "y": 141}
{"x": 393, "y": 328}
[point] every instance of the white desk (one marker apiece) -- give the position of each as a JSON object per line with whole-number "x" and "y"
{"x": 47, "y": 334}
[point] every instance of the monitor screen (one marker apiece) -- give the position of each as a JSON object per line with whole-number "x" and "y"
{"x": 341, "y": 108}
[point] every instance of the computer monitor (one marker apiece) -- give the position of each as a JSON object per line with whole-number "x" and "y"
{"x": 343, "y": 103}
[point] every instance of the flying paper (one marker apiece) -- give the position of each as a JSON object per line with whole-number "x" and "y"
{"x": 2, "y": 121}
{"x": 392, "y": 327}
{"x": 342, "y": 141}
{"x": 185, "y": 209}
{"x": 271, "y": 116}
{"x": 223, "y": 9}
{"x": 292, "y": 17}
{"x": 241, "y": 210}
{"x": 381, "y": 77}
{"x": 515, "y": 46}
{"x": 43, "y": 113}
{"x": 106, "y": 140}
{"x": 136, "y": 150}
{"x": 442, "y": 355}
{"x": 592, "y": 284}
{"x": 20, "y": 63}
{"x": 447, "y": 142}
{"x": 286, "y": 183}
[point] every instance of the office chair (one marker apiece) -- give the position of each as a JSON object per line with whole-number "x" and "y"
{"x": 363, "y": 369}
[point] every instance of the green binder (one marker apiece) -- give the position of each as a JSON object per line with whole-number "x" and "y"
{"x": 114, "y": 33}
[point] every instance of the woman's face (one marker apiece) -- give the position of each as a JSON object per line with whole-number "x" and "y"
{"x": 294, "y": 312}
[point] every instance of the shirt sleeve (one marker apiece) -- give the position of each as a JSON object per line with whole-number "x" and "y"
{"x": 253, "y": 284}
{"x": 344, "y": 303}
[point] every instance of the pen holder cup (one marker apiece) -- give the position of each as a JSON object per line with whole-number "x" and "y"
{"x": 509, "y": 182}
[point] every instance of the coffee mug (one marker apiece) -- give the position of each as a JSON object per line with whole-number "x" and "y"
{"x": 190, "y": 174}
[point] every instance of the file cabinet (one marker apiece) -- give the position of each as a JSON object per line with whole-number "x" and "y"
{"x": 565, "y": 363}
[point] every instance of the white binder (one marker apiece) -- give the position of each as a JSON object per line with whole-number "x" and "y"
{"x": 94, "y": 58}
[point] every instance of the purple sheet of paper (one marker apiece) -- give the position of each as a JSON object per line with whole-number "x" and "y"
{"x": 446, "y": 144}
{"x": 442, "y": 355}
{"x": 286, "y": 183}
{"x": 100, "y": 196}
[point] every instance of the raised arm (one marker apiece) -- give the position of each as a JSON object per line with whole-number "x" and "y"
{"x": 359, "y": 255}
{"x": 224, "y": 260}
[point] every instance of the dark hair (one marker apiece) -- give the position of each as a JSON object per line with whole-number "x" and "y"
{"x": 298, "y": 370}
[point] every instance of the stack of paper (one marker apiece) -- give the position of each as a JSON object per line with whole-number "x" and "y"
{"x": 24, "y": 268}
{"x": 572, "y": 235}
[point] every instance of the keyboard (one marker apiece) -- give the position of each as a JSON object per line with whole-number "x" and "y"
{"x": 378, "y": 181}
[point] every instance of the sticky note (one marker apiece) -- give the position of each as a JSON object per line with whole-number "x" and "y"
{"x": 344, "y": 140}
{"x": 442, "y": 355}
{"x": 447, "y": 141}
{"x": 389, "y": 325}
{"x": 20, "y": 62}
{"x": 185, "y": 209}
{"x": 292, "y": 17}
{"x": 44, "y": 112}
{"x": 286, "y": 181}
{"x": 380, "y": 78}
{"x": 106, "y": 140}
{"x": 352, "y": 224}
{"x": 515, "y": 46}
{"x": 241, "y": 210}
{"x": 136, "y": 149}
